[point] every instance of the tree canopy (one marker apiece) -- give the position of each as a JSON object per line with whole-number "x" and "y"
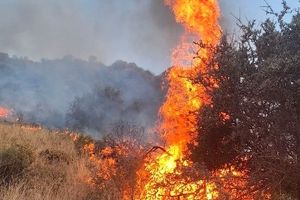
{"x": 254, "y": 120}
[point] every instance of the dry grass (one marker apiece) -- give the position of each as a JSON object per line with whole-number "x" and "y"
{"x": 55, "y": 171}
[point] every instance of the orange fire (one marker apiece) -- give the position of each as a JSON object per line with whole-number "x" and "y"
{"x": 166, "y": 179}
{"x": 168, "y": 173}
{"x": 4, "y": 112}
{"x": 184, "y": 98}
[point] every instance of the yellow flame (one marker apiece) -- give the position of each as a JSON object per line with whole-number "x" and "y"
{"x": 184, "y": 98}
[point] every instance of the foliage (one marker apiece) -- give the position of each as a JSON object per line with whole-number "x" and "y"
{"x": 256, "y": 107}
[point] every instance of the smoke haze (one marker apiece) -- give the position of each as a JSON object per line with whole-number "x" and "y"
{"x": 143, "y": 32}
{"x": 140, "y": 31}
{"x": 84, "y": 95}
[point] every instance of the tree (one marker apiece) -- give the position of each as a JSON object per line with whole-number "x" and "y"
{"x": 255, "y": 113}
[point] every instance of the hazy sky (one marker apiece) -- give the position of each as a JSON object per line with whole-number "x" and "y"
{"x": 140, "y": 31}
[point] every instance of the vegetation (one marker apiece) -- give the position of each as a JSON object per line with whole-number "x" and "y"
{"x": 254, "y": 122}
{"x": 37, "y": 163}
{"x": 14, "y": 161}
{"x": 40, "y": 164}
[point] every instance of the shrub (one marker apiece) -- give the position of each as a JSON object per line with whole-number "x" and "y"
{"x": 54, "y": 156}
{"x": 13, "y": 162}
{"x": 81, "y": 141}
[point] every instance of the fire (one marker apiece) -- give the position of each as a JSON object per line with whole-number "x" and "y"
{"x": 168, "y": 173}
{"x": 166, "y": 180}
{"x": 184, "y": 99}
{"x": 171, "y": 172}
{"x": 4, "y": 112}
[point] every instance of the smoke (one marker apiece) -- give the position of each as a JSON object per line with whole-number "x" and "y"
{"x": 52, "y": 91}
{"x": 44, "y": 92}
{"x": 128, "y": 93}
{"x": 140, "y": 31}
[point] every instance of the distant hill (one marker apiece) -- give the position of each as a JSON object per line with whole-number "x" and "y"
{"x": 85, "y": 95}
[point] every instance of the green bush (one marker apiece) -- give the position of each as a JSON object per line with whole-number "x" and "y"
{"x": 14, "y": 161}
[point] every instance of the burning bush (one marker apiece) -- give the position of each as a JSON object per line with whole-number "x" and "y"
{"x": 115, "y": 159}
{"x": 81, "y": 141}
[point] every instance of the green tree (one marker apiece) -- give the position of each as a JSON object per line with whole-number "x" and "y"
{"x": 255, "y": 112}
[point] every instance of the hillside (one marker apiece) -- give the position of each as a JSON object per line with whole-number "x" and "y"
{"x": 55, "y": 92}
{"x": 40, "y": 164}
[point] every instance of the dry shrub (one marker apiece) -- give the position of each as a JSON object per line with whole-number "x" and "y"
{"x": 41, "y": 164}
{"x": 14, "y": 161}
{"x": 81, "y": 141}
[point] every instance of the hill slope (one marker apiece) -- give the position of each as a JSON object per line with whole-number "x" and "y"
{"x": 36, "y": 163}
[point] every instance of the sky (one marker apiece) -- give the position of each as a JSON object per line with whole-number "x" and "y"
{"x": 139, "y": 31}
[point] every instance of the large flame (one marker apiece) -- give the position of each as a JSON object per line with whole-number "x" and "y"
{"x": 184, "y": 99}
{"x": 168, "y": 173}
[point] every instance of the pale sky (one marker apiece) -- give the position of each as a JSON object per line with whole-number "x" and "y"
{"x": 140, "y": 31}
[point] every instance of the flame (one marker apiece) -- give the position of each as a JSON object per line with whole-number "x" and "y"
{"x": 170, "y": 174}
{"x": 200, "y": 20}
{"x": 184, "y": 99}
{"x": 4, "y": 112}
{"x": 224, "y": 116}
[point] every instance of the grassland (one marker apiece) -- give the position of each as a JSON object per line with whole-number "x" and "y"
{"x": 36, "y": 163}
